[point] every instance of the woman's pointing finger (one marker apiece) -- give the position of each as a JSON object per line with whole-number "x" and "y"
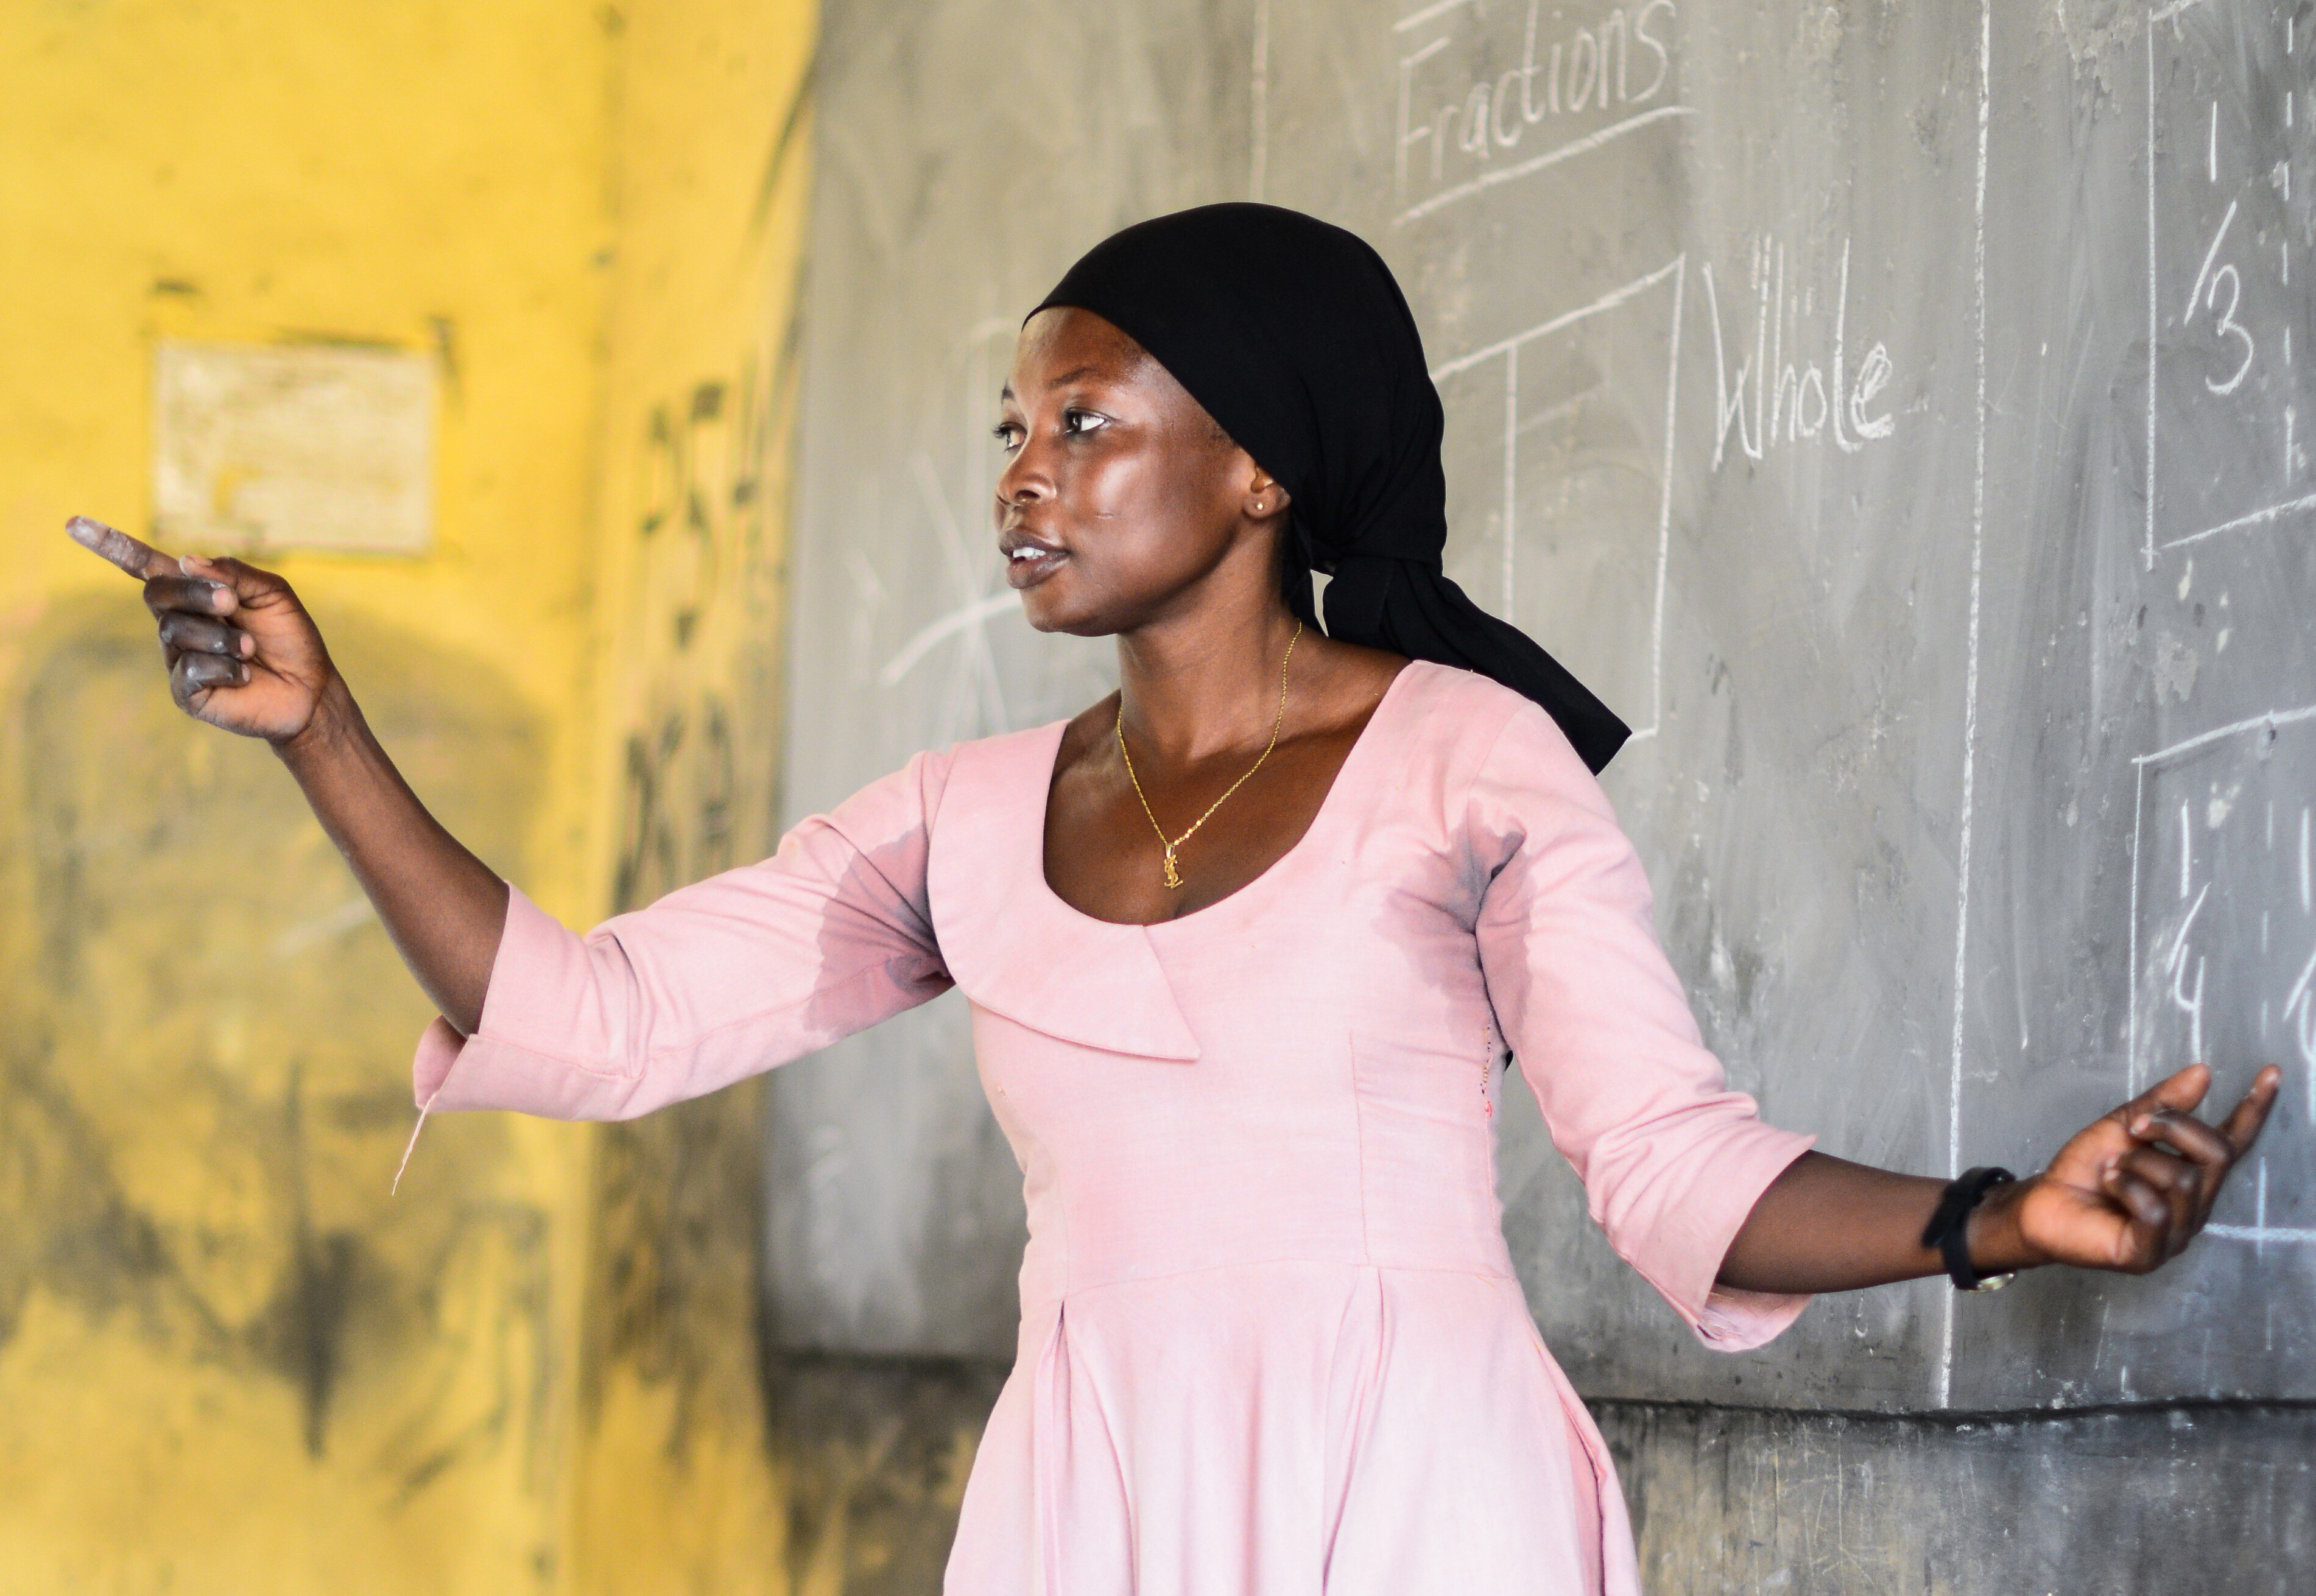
{"x": 2241, "y": 1127}
{"x": 139, "y": 559}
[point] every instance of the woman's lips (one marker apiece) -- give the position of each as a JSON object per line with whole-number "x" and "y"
{"x": 1031, "y": 564}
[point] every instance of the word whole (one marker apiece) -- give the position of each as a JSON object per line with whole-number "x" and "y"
{"x": 1781, "y": 392}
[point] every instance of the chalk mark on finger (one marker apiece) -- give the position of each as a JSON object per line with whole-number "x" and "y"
{"x": 110, "y": 544}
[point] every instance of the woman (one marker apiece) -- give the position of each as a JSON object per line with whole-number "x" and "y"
{"x": 1246, "y": 946}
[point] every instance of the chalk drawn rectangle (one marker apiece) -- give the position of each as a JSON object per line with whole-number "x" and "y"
{"x": 2223, "y": 941}
{"x": 2231, "y": 286}
{"x": 259, "y": 447}
{"x": 1580, "y": 411}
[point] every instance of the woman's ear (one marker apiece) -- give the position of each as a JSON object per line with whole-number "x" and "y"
{"x": 1265, "y": 498}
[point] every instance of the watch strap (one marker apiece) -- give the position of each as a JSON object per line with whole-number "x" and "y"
{"x": 1948, "y": 1231}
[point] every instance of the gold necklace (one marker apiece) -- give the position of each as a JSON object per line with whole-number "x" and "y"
{"x": 1173, "y": 875}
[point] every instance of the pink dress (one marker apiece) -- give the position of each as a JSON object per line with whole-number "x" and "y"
{"x": 1270, "y": 1340}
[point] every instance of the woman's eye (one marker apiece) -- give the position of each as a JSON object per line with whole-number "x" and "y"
{"x": 1008, "y": 436}
{"x": 1083, "y": 421}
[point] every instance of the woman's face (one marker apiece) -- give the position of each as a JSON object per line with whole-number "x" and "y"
{"x": 1121, "y": 501}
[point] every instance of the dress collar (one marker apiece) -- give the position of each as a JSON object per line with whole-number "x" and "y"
{"x": 1015, "y": 948}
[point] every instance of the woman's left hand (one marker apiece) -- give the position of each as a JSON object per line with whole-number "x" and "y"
{"x": 2131, "y": 1190}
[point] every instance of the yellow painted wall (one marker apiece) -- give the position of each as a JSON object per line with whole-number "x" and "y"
{"x": 229, "y": 1360}
{"x": 675, "y": 1490}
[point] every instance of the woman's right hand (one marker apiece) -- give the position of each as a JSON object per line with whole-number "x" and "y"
{"x": 242, "y": 652}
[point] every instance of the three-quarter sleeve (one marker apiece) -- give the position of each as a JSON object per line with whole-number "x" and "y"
{"x": 713, "y": 982}
{"x": 1671, "y": 1159}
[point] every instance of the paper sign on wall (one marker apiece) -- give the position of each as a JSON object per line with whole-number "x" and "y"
{"x": 293, "y": 446}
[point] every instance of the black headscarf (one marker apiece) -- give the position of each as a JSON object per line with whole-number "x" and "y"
{"x": 1294, "y": 337}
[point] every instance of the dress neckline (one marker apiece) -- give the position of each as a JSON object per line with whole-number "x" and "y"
{"x": 1277, "y": 867}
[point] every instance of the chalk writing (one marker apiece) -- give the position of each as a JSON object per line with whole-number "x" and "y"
{"x": 2222, "y": 958}
{"x": 1793, "y": 392}
{"x": 2223, "y": 933}
{"x": 1461, "y": 119}
{"x": 2223, "y": 146}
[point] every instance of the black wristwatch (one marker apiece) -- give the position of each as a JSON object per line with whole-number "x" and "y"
{"x": 1948, "y": 1230}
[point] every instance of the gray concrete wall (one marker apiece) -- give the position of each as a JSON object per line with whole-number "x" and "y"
{"x": 2203, "y": 1498}
{"x": 2199, "y": 1499}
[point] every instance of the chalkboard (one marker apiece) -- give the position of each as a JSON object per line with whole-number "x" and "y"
{"x": 1891, "y": 409}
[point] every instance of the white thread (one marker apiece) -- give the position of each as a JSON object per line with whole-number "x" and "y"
{"x": 412, "y": 1145}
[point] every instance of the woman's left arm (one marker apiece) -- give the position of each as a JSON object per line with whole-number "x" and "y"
{"x": 2127, "y": 1192}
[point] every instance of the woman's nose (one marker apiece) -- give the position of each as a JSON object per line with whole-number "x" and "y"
{"x": 1021, "y": 483}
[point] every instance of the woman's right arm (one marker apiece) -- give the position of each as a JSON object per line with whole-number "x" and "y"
{"x": 244, "y": 656}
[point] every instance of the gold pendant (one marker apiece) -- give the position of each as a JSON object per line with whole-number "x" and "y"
{"x": 1173, "y": 876}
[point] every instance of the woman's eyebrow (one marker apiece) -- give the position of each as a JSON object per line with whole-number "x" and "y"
{"x": 1006, "y": 393}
